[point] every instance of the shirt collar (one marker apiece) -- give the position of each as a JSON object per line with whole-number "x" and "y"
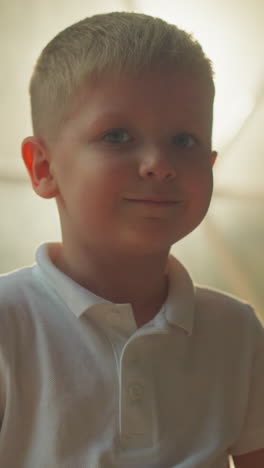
{"x": 180, "y": 303}
{"x": 77, "y": 298}
{"x": 178, "y": 308}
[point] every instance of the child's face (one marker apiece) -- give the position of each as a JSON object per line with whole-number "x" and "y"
{"x": 133, "y": 165}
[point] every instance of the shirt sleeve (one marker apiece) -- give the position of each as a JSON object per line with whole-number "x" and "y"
{"x": 252, "y": 434}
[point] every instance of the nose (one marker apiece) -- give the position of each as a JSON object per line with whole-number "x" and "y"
{"x": 157, "y": 165}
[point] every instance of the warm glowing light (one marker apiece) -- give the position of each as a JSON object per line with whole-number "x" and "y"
{"x": 234, "y": 99}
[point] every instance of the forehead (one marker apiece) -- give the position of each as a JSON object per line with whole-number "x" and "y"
{"x": 154, "y": 97}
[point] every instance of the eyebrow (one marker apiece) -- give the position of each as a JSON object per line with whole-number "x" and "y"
{"x": 107, "y": 119}
{"x": 114, "y": 118}
{"x": 109, "y": 115}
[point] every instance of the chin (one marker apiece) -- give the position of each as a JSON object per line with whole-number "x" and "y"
{"x": 152, "y": 244}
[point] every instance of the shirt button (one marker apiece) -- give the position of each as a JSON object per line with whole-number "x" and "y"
{"x": 135, "y": 392}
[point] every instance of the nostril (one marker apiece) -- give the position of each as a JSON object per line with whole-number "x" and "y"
{"x": 160, "y": 174}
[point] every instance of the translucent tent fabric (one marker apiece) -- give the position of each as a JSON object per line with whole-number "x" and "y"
{"x": 226, "y": 250}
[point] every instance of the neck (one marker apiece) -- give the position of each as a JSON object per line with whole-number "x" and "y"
{"x": 140, "y": 280}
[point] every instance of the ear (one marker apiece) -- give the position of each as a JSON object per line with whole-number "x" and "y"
{"x": 36, "y": 158}
{"x": 213, "y": 157}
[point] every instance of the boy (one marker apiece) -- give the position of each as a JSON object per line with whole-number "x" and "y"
{"x": 110, "y": 357}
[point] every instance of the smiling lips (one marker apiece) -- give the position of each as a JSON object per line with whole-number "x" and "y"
{"x": 154, "y": 201}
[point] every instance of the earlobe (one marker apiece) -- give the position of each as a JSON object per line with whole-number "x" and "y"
{"x": 35, "y": 156}
{"x": 213, "y": 157}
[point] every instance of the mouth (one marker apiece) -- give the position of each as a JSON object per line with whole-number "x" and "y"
{"x": 153, "y": 201}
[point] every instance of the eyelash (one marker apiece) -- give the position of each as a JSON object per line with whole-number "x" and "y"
{"x": 130, "y": 139}
{"x": 116, "y": 131}
{"x": 185, "y": 134}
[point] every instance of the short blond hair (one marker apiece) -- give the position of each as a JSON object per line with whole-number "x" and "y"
{"x": 113, "y": 42}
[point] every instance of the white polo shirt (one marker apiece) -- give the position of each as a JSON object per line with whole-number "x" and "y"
{"x": 82, "y": 387}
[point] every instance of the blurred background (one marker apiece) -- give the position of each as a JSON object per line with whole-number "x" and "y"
{"x": 226, "y": 251}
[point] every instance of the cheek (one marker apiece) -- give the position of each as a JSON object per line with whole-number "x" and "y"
{"x": 98, "y": 193}
{"x": 202, "y": 176}
{"x": 200, "y": 187}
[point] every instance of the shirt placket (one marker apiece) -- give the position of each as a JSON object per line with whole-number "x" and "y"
{"x": 137, "y": 409}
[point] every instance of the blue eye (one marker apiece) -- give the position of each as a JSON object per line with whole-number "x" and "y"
{"x": 117, "y": 135}
{"x": 184, "y": 140}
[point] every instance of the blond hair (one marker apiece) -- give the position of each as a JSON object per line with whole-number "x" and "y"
{"x": 113, "y": 42}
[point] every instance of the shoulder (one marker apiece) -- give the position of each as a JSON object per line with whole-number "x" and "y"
{"x": 218, "y": 303}
{"x": 228, "y": 317}
{"x": 14, "y": 284}
{"x": 210, "y": 310}
{"x": 19, "y": 292}
{"x": 15, "y": 325}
